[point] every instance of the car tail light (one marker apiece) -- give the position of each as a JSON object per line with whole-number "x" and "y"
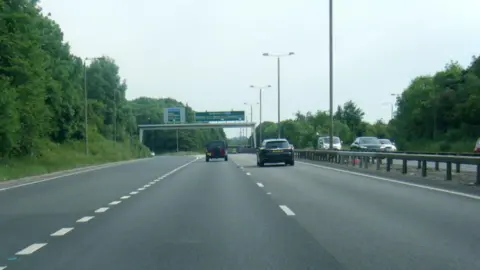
{"x": 222, "y": 151}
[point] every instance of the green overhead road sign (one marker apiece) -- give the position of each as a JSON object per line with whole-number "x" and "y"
{"x": 219, "y": 116}
{"x": 174, "y": 115}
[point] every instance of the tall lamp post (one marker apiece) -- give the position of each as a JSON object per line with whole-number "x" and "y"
{"x": 86, "y": 100}
{"x": 278, "y": 55}
{"x": 251, "y": 117}
{"x": 260, "y": 88}
{"x": 330, "y": 79}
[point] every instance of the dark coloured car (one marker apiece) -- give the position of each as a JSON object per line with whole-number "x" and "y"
{"x": 216, "y": 149}
{"x": 366, "y": 144}
{"x": 275, "y": 151}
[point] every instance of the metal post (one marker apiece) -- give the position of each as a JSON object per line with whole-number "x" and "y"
{"x": 260, "y": 124}
{"x": 86, "y": 104}
{"x": 278, "y": 78}
{"x": 331, "y": 70}
{"x": 251, "y": 120}
{"x": 115, "y": 118}
{"x": 177, "y": 139}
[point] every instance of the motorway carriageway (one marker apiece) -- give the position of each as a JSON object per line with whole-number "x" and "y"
{"x": 183, "y": 213}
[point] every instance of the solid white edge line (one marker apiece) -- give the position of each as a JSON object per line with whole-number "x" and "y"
{"x": 396, "y": 181}
{"x": 101, "y": 210}
{"x": 115, "y": 202}
{"x": 62, "y": 232}
{"x": 31, "y": 249}
{"x": 260, "y": 185}
{"x": 287, "y": 210}
{"x": 85, "y": 219}
{"x": 124, "y": 197}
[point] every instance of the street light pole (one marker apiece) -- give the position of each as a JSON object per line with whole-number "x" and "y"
{"x": 260, "y": 88}
{"x": 330, "y": 15}
{"x": 251, "y": 117}
{"x": 86, "y": 104}
{"x": 278, "y": 83}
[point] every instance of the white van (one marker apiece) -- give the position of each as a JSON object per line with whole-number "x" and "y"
{"x": 323, "y": 143}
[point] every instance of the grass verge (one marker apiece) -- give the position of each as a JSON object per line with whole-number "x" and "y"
{"x": 56, "y": 157}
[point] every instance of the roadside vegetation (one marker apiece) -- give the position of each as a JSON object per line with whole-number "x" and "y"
{"x": 42, "y": 103}
{"x": 439, "y": 112}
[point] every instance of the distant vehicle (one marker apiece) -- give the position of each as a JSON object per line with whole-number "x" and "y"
{"x": 216, "y": 149}
{"x": 366, "y": 144}
{"x": 387, "y": 145}
{"x": 477, "y": 146}
{"x": 275, "y": 151}
{"x": 152, "y": 154}
{"x": 324, "y": 143}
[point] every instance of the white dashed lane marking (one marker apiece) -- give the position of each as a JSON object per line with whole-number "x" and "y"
{"x": 140, "y": 189}
{"x": 115, "y": 202}
{"x": 147, "y": 186}
{"x": 124, "y": 197}
{"x": 85, "y": 219}
{"x": 269, "y": 193}
{"x": 260, "y": 184}
{"x": 62, "y": 232}
{"x": 133, "y": 193}
{"x": 287, "y": 210}
{"x": 31, "y": 249}
{"x": 249, "y": 173}
{"x": 3, "y": 267}
{"x": 101, "y": 210}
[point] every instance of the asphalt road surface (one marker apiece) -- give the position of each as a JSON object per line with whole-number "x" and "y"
{"x": 184, "y": 213}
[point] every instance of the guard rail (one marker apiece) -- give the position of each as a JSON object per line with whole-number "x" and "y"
{"x": 366, "y": 158}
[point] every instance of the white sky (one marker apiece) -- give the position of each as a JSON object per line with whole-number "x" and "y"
{"x": 207, "y": 52}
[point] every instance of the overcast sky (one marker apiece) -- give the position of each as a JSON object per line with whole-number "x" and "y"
{"x": 207, "y": 52}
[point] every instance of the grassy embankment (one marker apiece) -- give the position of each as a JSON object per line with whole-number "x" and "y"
{"x": 55, "y": 157}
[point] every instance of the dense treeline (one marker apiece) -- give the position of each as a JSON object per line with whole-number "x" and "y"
{"x": 439, "y": 112}
{"x": 42, "y": 98}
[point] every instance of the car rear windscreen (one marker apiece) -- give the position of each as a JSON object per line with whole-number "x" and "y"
{"x": 216, "y": 144}
{"x": 277, "y": 144}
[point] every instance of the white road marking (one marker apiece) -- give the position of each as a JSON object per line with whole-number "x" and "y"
{"x": 147, "y": 186}
{"x": 124, "y": 197}
{"x": 85, "y": 219}
{"x": 249, "y": 173}
{"x": 115, "y": 202}
{"x": 141, "y": 189}
{"x": 31, "y": 249}
{"x": 133, "y": 192}
{"x": 241, "y": 168}
{"x": 101, "y": 210}
{"x": 287, "y": 210}
{"x": 99, "y": 167}
{"x": 153, "y": 182}
{"x": 269, "y": 193}
{"x": 61, "y": 232}
{"x": 260, "y": 185}
{"x": 3, "y": 267}
{"x": 396, "y": 181}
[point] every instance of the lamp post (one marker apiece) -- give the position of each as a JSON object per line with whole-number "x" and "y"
{"x": 278, "y": 55}
{"x": 86, "y": 100}
{"x": 260, "y": 88}
{"x": 330, "y": 42}
{"x": 251, "y": 117}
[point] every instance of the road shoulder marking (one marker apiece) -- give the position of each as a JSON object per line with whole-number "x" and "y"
{"x": 287, "y": 210}
{"x": 31, "y": 249}
{"x": 466, "y": 195}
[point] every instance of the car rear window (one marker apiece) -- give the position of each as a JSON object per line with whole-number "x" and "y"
{"x": 277, "y": 144}
{"x": 216, "y": 144}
